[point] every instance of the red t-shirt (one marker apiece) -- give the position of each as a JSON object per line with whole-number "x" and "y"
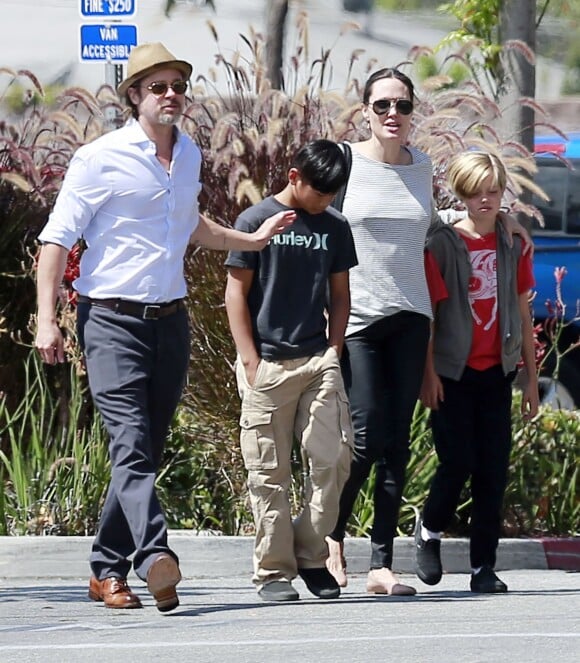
{"x": 435, "y": 282}
{"x": 486, "y": 342}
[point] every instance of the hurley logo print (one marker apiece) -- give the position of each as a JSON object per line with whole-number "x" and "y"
{"x": 316, "y": 241}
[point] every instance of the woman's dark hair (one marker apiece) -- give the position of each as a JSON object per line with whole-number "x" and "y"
{"x": 387, "y": 72}
{"x": 322, "y": 164}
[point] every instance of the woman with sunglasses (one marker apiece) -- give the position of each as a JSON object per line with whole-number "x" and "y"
{"x": 388, "y": 202}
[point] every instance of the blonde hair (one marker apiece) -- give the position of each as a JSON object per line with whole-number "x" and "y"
{"x": 468, "y": 170}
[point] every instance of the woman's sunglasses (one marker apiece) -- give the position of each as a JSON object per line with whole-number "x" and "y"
{"x": 160, "y": 87}
{"x": 402, "y": 106}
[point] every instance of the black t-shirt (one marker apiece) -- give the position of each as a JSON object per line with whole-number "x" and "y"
{"x": 287, "y": 297}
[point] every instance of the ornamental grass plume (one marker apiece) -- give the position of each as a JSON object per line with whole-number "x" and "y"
{"x": 247, "y": 135}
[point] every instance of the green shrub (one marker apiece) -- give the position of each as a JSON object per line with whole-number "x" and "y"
{"x": 543, "y": 497}
{"x": 35, "y": 150}
{"x": 202, "y": 483}
{"x": 247, "y": 139}
{"x": 55, "y": 468}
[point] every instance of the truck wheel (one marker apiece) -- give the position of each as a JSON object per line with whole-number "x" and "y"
{"x": 555, "y": 394}
{"x": 564, "y": 392}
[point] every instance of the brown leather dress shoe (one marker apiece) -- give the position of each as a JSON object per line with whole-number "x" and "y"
{"x": 114, "y": 592}
{"x": 162, "y": 577}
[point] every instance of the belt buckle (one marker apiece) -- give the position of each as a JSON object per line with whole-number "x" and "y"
{"x": 151, "y": 312}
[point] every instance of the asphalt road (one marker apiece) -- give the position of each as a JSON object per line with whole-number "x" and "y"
{"x": 45, "y": 614}
{"x": 221, "y": 619}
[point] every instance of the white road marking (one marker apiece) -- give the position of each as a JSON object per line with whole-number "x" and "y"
{"x": 302, "y": 641}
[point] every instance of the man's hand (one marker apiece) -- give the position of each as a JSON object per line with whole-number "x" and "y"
{"x": 273, "y": 225}
{"x": 50, "y": 343}
{"x": 221, "y": 238}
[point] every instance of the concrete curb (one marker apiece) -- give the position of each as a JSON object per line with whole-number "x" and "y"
{"x": 221, "y": 556}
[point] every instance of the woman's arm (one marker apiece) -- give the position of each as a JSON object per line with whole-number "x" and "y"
{"x": 513, "y": 227}
{"x": 432, "y": 388}
{"x": 339, "y": 309}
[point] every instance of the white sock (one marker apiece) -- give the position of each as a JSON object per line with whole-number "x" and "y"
{"x": 427, "y": 534}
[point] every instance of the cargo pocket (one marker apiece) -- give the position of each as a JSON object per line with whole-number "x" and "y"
{"x": 257, "y": 441}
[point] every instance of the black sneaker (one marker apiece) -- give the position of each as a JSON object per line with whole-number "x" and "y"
{"x": 278, "y": 590}
{"x": 427, "y": 558}
{"x": 320, "y": 582}
{"x": 486, "y": 582}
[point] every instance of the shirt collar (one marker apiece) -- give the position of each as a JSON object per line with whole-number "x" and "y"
{"x": 137, "y": 135}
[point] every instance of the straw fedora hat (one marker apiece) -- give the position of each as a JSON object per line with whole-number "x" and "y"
{"x": 147, "y": 58}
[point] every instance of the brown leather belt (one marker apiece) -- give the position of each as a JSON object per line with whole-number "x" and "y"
{"x": 136, "y": 309}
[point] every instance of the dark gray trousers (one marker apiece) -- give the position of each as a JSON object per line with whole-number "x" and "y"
{"x": 136, "y": 371}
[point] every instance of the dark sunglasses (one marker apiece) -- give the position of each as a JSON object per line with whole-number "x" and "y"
{"x": 160, "y": 87}
{"x": 402, "y": 106}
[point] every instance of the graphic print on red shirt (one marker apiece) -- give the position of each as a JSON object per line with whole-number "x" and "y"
{"x": 482, "y": 293}
{"x": 486, "y": 343}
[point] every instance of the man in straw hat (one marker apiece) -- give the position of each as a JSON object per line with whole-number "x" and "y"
{"x": 132, "y": 196}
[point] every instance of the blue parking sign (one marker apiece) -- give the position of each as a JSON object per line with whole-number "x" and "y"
{"x": 107, "y": 8}
{"x": 107, "y": 43}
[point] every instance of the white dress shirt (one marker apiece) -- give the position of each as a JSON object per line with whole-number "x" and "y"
{"x": 135, "y": 217}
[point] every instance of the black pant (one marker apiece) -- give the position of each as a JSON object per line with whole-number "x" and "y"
{"x": 382, "y": 369}
{"x": 136, "y": 371}
{"x": 472, "y": 435}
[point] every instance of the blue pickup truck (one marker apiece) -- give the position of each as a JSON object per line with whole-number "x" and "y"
{"x": 557, "y": 244}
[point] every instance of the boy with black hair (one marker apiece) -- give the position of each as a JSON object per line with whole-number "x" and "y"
{"x": 288, "y": 307}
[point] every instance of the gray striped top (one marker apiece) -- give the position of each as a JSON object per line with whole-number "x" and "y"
{"x": 389, "y": 209}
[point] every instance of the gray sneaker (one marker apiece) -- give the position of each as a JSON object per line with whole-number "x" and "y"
{"x": 278, "y": 590}
{"x": 427, "y": 557}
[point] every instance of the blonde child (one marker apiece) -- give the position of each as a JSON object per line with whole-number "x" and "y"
{"x": 479, "y": 284}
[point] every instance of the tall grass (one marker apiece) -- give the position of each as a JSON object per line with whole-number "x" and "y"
{"x": 55, "y": 471}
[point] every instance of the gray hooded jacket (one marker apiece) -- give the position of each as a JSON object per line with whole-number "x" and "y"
{"x": 453, "y": 330}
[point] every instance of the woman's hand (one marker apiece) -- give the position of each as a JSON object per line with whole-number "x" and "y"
{"x": 514, "y": 227}
{"x": 431, "y": 390}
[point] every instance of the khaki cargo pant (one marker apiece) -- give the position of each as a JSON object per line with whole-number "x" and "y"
{"x": 302, "y": 398}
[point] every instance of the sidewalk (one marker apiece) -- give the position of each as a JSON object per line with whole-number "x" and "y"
{"x": 213, "y": 556}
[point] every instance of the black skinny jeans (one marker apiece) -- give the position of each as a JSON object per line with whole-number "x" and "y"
{"x": 383, "y": 370}
{"x": 472, "y": 435}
